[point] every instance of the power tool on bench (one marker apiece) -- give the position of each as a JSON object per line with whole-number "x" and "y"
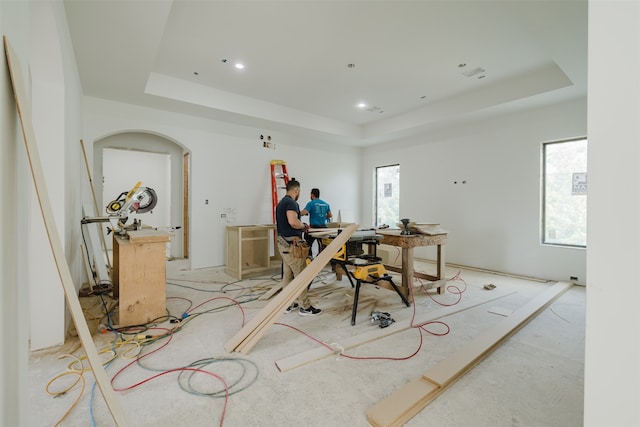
{"x": 137, "y": 200}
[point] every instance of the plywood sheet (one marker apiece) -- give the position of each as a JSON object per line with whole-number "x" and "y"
{"x": 139, "y": 280}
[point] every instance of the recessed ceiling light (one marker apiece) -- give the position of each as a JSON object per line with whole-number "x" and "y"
{"x": 361, "y": 105}
{"x": 351, "y": 65}
{"x": 239, "y": 66}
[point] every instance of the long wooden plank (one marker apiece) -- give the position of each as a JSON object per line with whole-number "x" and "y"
{"x": 318, "y": 353}
{"x": 248, "y": 336}
{"x": 398, "y": 408}
{"x": 295, "y": 288}
{"x": 54, "y": 238}
{"x": 449, "y": 369}
{"x": 271, "y": 292}
{"x": 105, "y": 253}
{"x": 421, "y": 388}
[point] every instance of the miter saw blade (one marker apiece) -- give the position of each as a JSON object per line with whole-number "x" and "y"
{"x": 147, "y": 200}
{"x": 139, "y": 200}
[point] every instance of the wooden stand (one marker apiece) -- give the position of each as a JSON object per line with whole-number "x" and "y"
{"x": 139, "y": 276}
{"x": 248, "y": 249}
{"x": 409, "y": 241}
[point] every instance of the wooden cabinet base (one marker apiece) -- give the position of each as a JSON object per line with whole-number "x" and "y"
{"x": 139, "y": 276}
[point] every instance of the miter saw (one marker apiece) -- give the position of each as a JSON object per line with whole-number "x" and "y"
{"x": 137, "y": 200}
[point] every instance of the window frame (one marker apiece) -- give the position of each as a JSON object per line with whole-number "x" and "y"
{"x": 375, "y": 194}
{"x": 543, "y": 194}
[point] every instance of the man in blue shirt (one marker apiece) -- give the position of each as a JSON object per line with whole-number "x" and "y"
{"x": 319, "y": 213}
{"x": 290, "y": 228}
{"x": 318, "y": 210}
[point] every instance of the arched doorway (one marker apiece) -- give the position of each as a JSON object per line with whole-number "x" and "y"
{"x": 157, "y": 161}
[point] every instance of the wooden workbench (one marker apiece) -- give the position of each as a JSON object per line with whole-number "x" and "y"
{"x": 409, "y": 241}
{"x": 139, "y": 276}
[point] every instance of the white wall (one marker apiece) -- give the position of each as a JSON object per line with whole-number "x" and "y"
{"x": 230, "y": 169}
{"x": 38, "y": 34}
{"x": 612, "y": 361}
{"x": 53, "y": 87}
{"x": 48, "y": 115}
{"x": 14, "y": 24}
{"x": 494, "y": 219}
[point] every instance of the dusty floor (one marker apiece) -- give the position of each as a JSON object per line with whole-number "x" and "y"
{"x": 534, "y": 379}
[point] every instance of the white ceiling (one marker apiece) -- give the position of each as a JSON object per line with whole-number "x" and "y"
{"x": 407, "y": 57}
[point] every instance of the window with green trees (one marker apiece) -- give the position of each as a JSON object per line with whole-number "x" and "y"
{"x": 564, "y": 193}
{"x": 387, "y": 195}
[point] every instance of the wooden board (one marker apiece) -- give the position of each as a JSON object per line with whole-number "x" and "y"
{"x": 271, "y": 292}
{"x": 105, "y": 250}
{"x": 394, "y": 238}
{"x": 276, "y": 308}
{"x": 71, "y": 296}
{"x": 249, "y": 335}
{"x": 148, "y": 236}
{"x": 94, "y": 232}
{"x": 310, "y": 356}
{"x": 404, "y": 404}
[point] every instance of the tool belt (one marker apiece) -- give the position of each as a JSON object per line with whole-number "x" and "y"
{"x": 300, "y": 249}
{"x": 296, "y": 246}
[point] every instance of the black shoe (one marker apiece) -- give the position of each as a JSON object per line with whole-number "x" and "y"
{"x": 309, "y": 311}
{"x": 291, "y": 308}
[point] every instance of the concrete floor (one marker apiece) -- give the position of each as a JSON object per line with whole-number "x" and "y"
{"x": 535, "y": 378}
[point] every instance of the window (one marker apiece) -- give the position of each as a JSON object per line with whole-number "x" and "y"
{"x": 564, "y": 193}
{"x": 387, "y": 195}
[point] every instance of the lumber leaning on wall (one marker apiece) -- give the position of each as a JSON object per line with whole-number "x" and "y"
{"x": 105, "y": 250}
{"x": 249, "y": 335}
{"x": 54, "y": 238}
{"x": 404, "y": 404}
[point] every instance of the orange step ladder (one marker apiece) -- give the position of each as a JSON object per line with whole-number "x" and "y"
{"x": 279, "y": 181}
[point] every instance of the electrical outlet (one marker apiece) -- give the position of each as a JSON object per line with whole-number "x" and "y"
{"x": 266, "y": 142}
{"x": 223, "y": 215}
{"x": 573, "y": 278}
